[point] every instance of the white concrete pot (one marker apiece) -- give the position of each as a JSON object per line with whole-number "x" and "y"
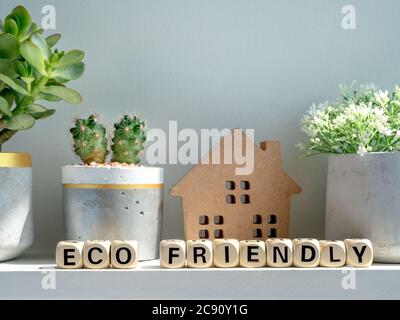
{"x": 363, "y": 200}
{"x": 114, "y": 203}
{"x": 16, "y": 222}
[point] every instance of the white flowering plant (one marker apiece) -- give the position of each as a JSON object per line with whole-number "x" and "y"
{"x": 359, "y": 121}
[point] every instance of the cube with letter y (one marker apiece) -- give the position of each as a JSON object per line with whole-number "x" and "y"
{"x": 172, "y": 254}
{"x": 199, "y": 253}
{"x": 69, "y": 254}
{"x": 359, "y": 252}
{"x": 96, "y": 254}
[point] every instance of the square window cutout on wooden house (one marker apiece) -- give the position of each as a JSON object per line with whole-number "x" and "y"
{"x": 244, "y": 199}
{"x": 272, "y": 233}
{"x": 203, "y": 234}
{"x": 272, "y": 219}
{"x": 257, "y": 219}
{"x": 257, "y": 233}
{"x": 244, "y": 185}
{"x": 203, "y": 220}
{"x": 218, "y": 234}
{"x": 218, "y": 220}
{"x": 229, "y": 185}
{"x": 230, "y": 199}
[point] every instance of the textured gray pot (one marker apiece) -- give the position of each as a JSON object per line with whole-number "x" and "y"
{"x": 115, "y": 203}
{"x": 16, "y": 223}
{"x": 363, "y": 200}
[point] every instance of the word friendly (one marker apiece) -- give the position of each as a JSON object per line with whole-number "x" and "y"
{"x": 275, "y": 253}
{"x": 97, "y": 254}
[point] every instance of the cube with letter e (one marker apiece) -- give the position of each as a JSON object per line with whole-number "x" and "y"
{"x": 69, "y": 254}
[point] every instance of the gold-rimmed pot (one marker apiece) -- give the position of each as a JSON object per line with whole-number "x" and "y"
{"x": 16, "y": 221}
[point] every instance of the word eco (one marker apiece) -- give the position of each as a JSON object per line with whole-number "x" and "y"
{"x": 279, "y": 253}
{"x": 97, "y": 254}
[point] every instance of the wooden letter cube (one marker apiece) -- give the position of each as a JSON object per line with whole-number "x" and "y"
{"x": 226, "y": 253}
{"x": 252, "y": 254}
{"x": 124, "y": 254}
{"x": 69, "y": 254}
{"x": 279, "y": 253}
{"x": 96, "y": 254}
{"x": 333, "y": 253}
{"x": 172, "y": 254}
{"x": 199, "y": 253}
{"x": 306, "y": 253}
{"x": 359, "y": 252}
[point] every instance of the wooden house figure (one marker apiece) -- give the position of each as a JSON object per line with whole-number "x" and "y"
{"x": 218, "y": 203}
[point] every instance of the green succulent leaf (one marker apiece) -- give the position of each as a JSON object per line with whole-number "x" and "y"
{"x": 4, "y": 107}
{"x": 70, "y": 57}
{"x": 10, "y": 26}
{"x": 53, "y": 39}
{"x": 9, "y": 96}
{"x": 1, "y": 25}
{"x": 33, "y": 29}
{"x": 66, "y": 94}
{"x": 20, "y": 122}
{"x": 9, "y": 46}
{"x": 34, "y": 56}
{"x": 6, "y": 67}
{"x": 48, "y": 97}
{"x": 27, "y": 79}
{"x": 70, "y": 72}
{"x": 23, "y": 17}
{"x": 38, "y": 111}
{"x": 41, "y": 43}
{"x": 13, "y": 85}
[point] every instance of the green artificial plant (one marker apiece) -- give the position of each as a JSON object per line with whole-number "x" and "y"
{"x": 32, "y": 70}
{"x": 90, "y": 142}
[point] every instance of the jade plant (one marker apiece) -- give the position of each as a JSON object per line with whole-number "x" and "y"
{"x": 32, "y": 70}
{"x": 90, "y": 142}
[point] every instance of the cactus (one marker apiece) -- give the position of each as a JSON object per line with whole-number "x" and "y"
{"x": 128, "y": 141}
{"x": 31, "y": 70}
{"x": 90, "y": 142}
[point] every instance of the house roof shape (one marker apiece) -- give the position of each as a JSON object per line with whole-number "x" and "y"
{"x": 266, "y": 160}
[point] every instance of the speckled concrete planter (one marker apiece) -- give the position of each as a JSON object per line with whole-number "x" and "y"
{"x": 114, "y": 203}
{"x": 363, "y": 200}
{"x": 16, "y": 222}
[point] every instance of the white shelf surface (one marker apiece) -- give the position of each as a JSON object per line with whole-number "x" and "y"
{"x": 36, "y": 277}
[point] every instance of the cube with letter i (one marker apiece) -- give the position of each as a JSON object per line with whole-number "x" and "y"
{"x": 69, "y": 254}
{"x": 252, "y": 254}
{"x": 279, "y": 252}
{"x": 199, "y": 253}
{"x": 172, "y": 254}
{"x": 226, "y": 253}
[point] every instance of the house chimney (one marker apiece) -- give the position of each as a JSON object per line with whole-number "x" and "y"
{"x": 273, "y": 148}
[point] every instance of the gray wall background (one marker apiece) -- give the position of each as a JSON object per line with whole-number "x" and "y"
{"x": 238, "y": 63}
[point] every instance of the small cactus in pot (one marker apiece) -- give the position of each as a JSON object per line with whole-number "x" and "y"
{"x": 112, "y": 197}
{"x": 128, "y": 141}
{"x": 90, "y": 142}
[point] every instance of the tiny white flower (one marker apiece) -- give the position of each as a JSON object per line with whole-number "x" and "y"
{"x": 362, "y": 150}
